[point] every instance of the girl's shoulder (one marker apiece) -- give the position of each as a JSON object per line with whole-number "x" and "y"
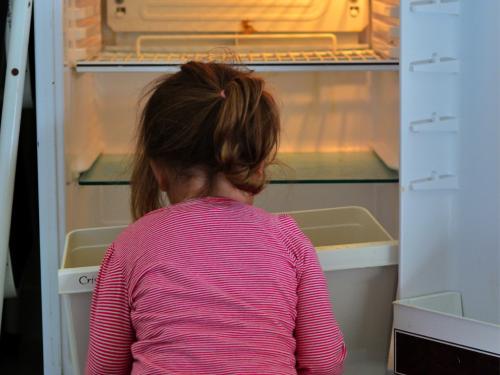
{"x": 166, "y": 224}
{"x": 289, "y": 227}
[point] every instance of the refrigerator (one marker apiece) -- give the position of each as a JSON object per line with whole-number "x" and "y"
{"x": 388, "y": 106}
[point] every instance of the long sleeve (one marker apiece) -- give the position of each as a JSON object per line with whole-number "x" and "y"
{"x": 111, "y": 333}
{"x": 320, "y": 348}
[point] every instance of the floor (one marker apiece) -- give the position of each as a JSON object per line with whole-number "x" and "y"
{"x": 21, "y": 337}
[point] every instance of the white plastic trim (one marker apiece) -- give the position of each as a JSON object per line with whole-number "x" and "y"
{"x": 386, "y": 66}
{"x": 371, "y": 255}
{"x": 49, "y": 112}
{"x": 82, "y": 280}
{"x": 440, "y": 316}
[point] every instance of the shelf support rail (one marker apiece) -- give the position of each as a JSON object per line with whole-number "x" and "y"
{"x": 17, "y": 50}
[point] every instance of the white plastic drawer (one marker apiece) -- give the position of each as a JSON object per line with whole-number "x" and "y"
{"x": 345, "y": 238}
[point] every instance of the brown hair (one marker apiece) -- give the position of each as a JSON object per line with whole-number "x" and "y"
{"x": 210, "y": 116}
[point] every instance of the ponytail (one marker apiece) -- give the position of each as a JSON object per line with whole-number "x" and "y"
{"x": 210, "y": 116}
{"x": 243, "y": 145}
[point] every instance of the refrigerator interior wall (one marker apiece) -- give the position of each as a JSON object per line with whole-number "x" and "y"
{"x": 384, "y": 96}
{"x": 228, "y": 16}
{"x": 478, "y": 214}
{"x": 83, "y": 132}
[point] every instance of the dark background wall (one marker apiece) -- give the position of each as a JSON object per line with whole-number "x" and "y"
{"x": 21, "y": 331}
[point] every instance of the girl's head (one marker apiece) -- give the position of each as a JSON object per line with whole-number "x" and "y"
{"x": 206, "y": 121}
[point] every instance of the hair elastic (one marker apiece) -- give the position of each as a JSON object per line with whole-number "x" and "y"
{"x": 223, "y": 94}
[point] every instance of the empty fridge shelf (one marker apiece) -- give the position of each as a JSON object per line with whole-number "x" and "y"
{"x": 352, "y": 59}
{"x": 298, "y": 168}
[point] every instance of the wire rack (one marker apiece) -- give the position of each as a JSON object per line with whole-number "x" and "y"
{"x": 108, "y": 60}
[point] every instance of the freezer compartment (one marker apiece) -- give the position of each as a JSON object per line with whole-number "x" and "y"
{"x": 442, "y": 317}
{"x": 349, "y": 241}
{"x": 153, "y": 36}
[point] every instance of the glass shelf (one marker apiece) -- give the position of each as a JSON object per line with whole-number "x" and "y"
{"x": 294, "y": 168}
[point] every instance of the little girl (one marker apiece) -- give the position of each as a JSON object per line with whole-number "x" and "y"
{"x": 210, "y": 284}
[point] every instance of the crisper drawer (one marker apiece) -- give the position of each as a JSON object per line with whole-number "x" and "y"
{"x": 348, "y": 239}
{"x": 344, "y": 237}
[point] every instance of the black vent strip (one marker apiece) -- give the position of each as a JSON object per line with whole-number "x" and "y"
{"x": 417, "y": 354}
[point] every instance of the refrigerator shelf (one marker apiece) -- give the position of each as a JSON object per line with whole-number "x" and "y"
{"x": 295, "y": 168}
{"x": 321, "y": 60}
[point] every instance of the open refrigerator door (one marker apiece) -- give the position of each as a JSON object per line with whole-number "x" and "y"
{"x": 449, "y": 306}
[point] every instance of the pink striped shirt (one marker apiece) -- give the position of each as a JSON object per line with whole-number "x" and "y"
{"x": 212, "y": 286}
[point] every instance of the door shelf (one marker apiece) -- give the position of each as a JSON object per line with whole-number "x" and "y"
{"x": 434, "y": 124}
{"x": 441, "y": 316}
{"x": 451, "y": 7}
{"x": 436, "y": 64}
{"x": 324, "y": 60}
{"x": 294, "y": 168}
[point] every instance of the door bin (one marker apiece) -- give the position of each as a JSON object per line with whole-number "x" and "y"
{"x": 349, "y": 242}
